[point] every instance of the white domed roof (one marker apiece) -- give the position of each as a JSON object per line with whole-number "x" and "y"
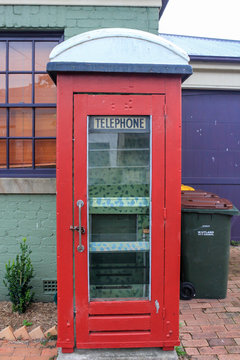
{"x": 119, "y": 46}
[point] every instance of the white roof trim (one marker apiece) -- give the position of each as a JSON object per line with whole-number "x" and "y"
{"x": 142, "y": 3}
{"x": 214, "y": 76}
{"x": 119, "y": 45}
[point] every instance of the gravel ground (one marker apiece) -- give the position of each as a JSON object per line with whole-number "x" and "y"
{"x": 44, "y": 314}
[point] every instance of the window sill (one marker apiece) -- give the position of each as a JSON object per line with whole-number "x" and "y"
{"x": 27, "y": 186}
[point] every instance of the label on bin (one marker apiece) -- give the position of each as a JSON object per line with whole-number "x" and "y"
{"x": 205, "y": 232}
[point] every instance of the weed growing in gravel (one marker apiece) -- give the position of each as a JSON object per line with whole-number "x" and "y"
{"x": 27, "y": 323}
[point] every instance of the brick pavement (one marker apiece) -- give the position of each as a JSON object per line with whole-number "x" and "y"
{"x": 209, "y": 329}
{"x": 27, "y": 350}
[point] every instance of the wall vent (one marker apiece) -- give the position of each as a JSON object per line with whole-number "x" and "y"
{"x": 50, "y": 286}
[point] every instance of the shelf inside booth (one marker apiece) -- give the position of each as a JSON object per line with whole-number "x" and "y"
{"x": 118, "y": 205}
{"x": 119, "y": 246}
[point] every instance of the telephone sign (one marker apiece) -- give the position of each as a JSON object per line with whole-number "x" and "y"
{"x": 119, "y": 123}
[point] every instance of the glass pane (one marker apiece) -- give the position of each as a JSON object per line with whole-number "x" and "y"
{"x": 45, "y": 89}
{"x": 119, "y": 206}
{"x": 2, "y": 88}
{"x": 20, "y": 56}
{"x": 45, "y": 153}
{"x": 3, "y": 122}
{"x": 20, "y": 153}
{"x": 20, "y": 122}
{"x": 42, "y": 51}
{"x": 2, "y": 56}
{"x": 128, "y": 157}
{"x": 3, "y": 154}
{"x": 45, "y": 122}
{"x": 20, "y": 88}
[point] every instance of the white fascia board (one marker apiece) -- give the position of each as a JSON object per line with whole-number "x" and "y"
{"x": 213, "y": 76}
{"x": 141, "y": 3}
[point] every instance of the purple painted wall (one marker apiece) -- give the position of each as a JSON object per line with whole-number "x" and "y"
{"x": 211, "y": 145}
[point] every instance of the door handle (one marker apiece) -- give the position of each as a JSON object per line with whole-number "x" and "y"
{"x": 80, "y": 247}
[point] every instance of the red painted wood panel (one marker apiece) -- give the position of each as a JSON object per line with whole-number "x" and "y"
{"x": 64, "y": 216}
{"x": 119, "y": 323}
{"x": 117, "y": 83}
{"x": 119, "y": 104}
{"x": 119, "y": 307}
{"x": 80, "y": 193}
{"x": 173, "y": 205}
{"x": 119, "y": 339}
{"x": 158, "y": 186}
{"x": 142, "y": 340}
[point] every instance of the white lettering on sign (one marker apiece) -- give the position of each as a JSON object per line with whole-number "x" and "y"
{"x": 119, "y": 123}
{"x": 205, "y": 233}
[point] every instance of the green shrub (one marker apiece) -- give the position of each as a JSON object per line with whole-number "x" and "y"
{"x": 17, "y": 279}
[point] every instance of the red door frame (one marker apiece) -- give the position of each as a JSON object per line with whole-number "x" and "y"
{"x": 169, "y": 210}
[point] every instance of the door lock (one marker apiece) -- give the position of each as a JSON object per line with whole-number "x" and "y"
{"x": 76, "y": 228}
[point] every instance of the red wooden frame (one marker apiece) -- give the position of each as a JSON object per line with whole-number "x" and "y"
{"x": 160, "y": 97}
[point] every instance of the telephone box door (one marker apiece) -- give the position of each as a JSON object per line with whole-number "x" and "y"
{"x": 119, "y": 172}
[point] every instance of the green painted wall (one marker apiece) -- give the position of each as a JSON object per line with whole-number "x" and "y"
{"x": 77, "y": 19}
{"x": 33, "y": 217}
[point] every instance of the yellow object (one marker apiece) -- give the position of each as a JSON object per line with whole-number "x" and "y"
{"x": 185, "y": 187}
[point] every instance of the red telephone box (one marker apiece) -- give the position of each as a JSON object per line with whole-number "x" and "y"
{"x": 118, "y": 189}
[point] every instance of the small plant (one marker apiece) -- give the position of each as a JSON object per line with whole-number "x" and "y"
{"x": 235, "y": 243}
{"x": 180, "y": 351}
{"x": 51, "y": 336}
{"x": 27, "y": 323}
{"x": 17, "y": 279}
{"x": 44, "y": 342}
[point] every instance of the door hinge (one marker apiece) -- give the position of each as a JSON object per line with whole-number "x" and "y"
{"x": 164, "y": 213}
{"x": 165, "y": 109}
{"x": 164, "y": 313}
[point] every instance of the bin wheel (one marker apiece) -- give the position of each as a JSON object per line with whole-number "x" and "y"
{"x": 187, "y": 291}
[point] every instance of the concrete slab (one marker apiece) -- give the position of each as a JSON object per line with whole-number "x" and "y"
{"x": 119, "y": 354}
{"x": 27, "y": 186}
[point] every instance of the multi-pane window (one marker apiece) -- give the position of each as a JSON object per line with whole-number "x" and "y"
{"x": 27, "y": 106}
